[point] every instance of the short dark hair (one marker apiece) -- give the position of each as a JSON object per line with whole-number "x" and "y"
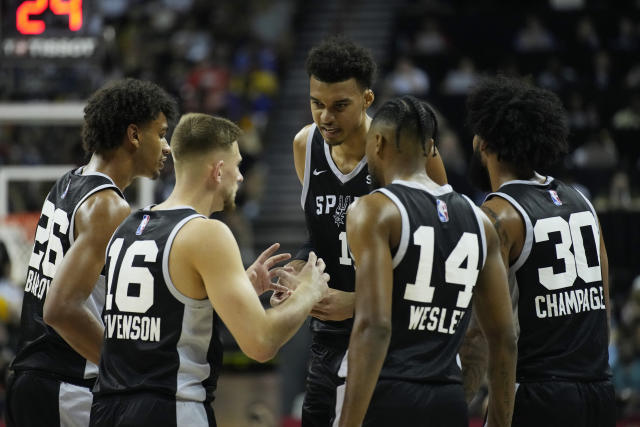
{"x": 523, "y": 124}
{"x": 410, "y": 116}
{"x": 115, "y": 106}
{"x": 197, "y": 133}
{"x": 337, "y": 59}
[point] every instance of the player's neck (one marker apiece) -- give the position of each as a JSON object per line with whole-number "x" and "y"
{"x": 501, "y": 172}
{"x": 113, "y": 164}
{"x": 186, "y": 193}
{"x": 352, "y": 149}
{"x": 410, "y": 173}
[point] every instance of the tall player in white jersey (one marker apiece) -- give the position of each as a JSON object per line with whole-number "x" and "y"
{"x": 553, "y": 247}
{"x": 171, "y": 273}
{"x": 423, "y": 254}
{"x": 61, "y": 328}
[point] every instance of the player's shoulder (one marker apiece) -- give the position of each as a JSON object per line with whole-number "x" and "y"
{"x": 300, "y": 140}
{"x": 498, "y": 208}
{"x": 201, "y": 232}
{"x": 373, "y": 208}
{"x": 105, "y": 205}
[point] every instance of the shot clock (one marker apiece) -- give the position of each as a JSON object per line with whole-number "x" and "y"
{"x": 50, "y": 29}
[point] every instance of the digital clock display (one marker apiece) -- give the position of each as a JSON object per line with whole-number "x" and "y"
{"x": 50, "y": 29}
{"x": 28, "y": 12}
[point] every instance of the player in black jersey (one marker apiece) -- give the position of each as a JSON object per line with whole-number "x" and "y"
{"x": 170, "y": 273}
{"x": 422, "y": 251}
{"x": 330, "y": 162}
{"x": 61, "y": 328}
{"x": 552, "y": 244}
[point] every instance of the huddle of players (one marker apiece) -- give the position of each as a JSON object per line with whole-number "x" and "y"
{"x": 423, "y": 254}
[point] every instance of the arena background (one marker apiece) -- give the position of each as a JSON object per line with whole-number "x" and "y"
{"x": 245, "y": 60}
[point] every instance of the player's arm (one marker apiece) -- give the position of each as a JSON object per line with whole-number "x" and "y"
{"x": 492, "y": 305}
{"x": 64, "y": 309}
{"x": 435, "y": 167}
{"x": 259, "y": 333}
{"x": 369, "y": 223}
{"x": 473, "y": 352}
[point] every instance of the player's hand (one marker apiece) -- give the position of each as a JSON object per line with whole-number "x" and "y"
{"x": 261, "y": 272}
{"x": 312, "y": 277}
{"x": 337, "y": 305}
{"x": 293, "y": 267}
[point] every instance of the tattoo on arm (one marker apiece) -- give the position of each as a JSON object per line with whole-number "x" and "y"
{"x": 473, "y": 354}
{"x": 505, "y": 244}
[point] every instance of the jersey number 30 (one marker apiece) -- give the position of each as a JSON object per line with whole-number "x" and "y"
{"x": 130, "y": 275}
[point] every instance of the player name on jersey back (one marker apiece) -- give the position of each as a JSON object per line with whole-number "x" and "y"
{"x": 569, "y": 302}
{"x": 132, "y": 327}
{"x": 435, "y": 319}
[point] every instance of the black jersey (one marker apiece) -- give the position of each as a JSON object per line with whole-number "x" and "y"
{"x": 435, "y": 267}
{"x": 156, "y": 339}
{"x": 40, "y": 348}
{"x": 556, "y": 284}
{"x": 326, "y": 195}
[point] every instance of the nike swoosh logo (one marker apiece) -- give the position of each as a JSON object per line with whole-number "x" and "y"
{"x": 316, "y": 172}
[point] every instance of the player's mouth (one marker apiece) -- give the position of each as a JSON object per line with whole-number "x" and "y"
{"x": 330, "y": 132}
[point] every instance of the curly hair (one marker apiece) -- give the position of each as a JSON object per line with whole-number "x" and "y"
{"x": 196, "y": 133}
{"x": 524, "y": 125}
{"x": 337, "y": 59}
{"x": 411, "y": 116}
{"x": 114, "y": 107}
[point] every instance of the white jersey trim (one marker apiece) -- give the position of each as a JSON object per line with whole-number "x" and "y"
{"x": 74, "y": 405}
{"x": 307, "y": 166}
{"x": 332, "y": 165}
{"x": 165, "y": 267}
{"x": 528, "y": 241}
{"x": 483, "y": 236}
{"x": 528, "y": 182}
{"x": 439, "y": 191}
{"x": 404, "y": 238}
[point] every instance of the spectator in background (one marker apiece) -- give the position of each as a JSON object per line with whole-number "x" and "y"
{"x": 627, "y": 38}
{"x": 459, "y": 80}
{"x": 586, "y": 36}
{"x": 628, "y": 118}
{"x": 599, "y": 152}
{"x": 556, "y": 76}
{"x": 429, "y": 40}
{"x": 581, "y": 116}
{"x": 534, "y": 37}
{"x": 602, "y": 70}
{"x": 407, "y": 79}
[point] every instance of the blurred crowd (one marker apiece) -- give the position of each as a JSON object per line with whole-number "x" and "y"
{"x": 231, "y": 59}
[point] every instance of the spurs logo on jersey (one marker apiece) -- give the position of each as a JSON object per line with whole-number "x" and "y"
{"x": 556, "y": 284}
{"x": 436, "y": 266}
{"x": 326, "y": 195}
{"x": 39, "y": 344}
{"x": 145, "y": 314}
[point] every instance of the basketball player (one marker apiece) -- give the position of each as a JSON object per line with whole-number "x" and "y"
{"x": 171, "y": 272}
{"x": 124, "y": 130}
{"x": 330, "y": 161}
{"x": 553, "y": 247}
{"x": 422, "y": 252}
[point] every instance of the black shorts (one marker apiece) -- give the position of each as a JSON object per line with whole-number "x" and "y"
{"x": 38, "y": 400}
{"x": 565, "y": 404}
{"x": 411, "y": 404}
{"x": 327, "y": 352}
{"x": 149, "y": 409}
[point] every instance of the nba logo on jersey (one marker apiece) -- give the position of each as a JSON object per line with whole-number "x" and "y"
{"x": 143, "y": 224}
{"x": 443, "y": 213}
{"x": 554, "y": 197}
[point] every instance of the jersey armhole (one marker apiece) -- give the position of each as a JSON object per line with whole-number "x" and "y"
{"x": 404, "y": 235}
{"x": 528, "y": 240}
{"x": 72, "y": 221}
{"x": 307, "y": 166}
{"x": 165, "y": 267}
{"x": 483, "y": 235}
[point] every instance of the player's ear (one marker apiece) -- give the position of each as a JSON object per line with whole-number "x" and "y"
{"x": 381, "y": 143}
{"x": 368, "y": 98}
{"x": 133, "y": 135}
{"x": 479, "y": 143}
{"x": 216, "y": 171}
